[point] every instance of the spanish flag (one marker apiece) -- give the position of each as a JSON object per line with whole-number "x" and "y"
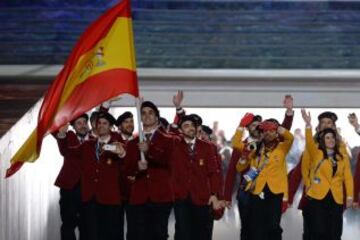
{"x": 100, "y": 67}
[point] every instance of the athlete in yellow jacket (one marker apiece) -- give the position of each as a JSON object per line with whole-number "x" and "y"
{"x": 326, "y": 120}
{"x": 267, "y": 181}
{"x": 274, "y": 166}
{"x": 329, "y": 172}
{"x": 322, "y": 177}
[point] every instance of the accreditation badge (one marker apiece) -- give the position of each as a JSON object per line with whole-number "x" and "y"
{"x": 317, "y": 180}
{"x": 251, "y": 174}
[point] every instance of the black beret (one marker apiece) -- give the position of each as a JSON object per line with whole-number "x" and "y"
{"x": 94, "y": 115}
{"x": 257, "y": 118}
{"x": 206, "y": 129}
{"x": 189, "y": 118}
{"x": 152, "y": 106}
{"x": 123, "y": 117}
{"x": 329, "y": 115}
{"x": 107, "y": 116}
{"x": 197, "y": 118}
{"x": 81, "y": 116}
{"x": 164, "y": 122}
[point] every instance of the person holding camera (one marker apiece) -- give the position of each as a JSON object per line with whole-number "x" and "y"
{"x": 239, "y": 162}
{"x": 100, "y": 190}
{"x": 267, "y": 181}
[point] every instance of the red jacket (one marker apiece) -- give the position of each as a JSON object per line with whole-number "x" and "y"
{"x": 99, "y": 178}
{"x": 294, "y": 178}
{"x": 69, "y": 175}
{"x": 218, "y": 214}
{"x": 124, "y": 181}
{"x": 231, "y": 175}
{"x": 153, "y": 184}
{"x": 219, "y": 173}
{"x": 195, "y": 176}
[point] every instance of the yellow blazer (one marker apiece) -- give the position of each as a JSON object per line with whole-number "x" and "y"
{"x": 238, "y": 144}
{"x": 306, "y": 164}
{"x": 328, "y": 182}
{"x": 236, "y": 141}
{"x": 274, "y": 174}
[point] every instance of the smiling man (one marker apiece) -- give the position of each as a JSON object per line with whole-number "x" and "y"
{"x": 195, "y": 182}
{"x": 68, "y": 179}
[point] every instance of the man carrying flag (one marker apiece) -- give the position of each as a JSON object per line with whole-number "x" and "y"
{"x": 100, "y": 67}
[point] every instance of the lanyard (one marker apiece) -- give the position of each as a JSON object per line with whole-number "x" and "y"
{"x": 315, "y": 172}
{"x": 266, "y": 160}
{"x": 318, "y": 166}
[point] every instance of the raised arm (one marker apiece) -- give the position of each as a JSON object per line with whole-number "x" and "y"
{"x": 236, "y": 141}
{"x": 288, "y": 103}
{"x": 177, "y": 101}
{"x": 310, "y": 145}
{"x": 287, "y": 137}
{"x": 66, "y": 140}
{"x": 353, "y": 120}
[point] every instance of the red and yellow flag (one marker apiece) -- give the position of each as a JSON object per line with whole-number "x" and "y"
{"x": 100, "y": 67}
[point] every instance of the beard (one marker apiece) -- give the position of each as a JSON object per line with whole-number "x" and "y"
{"x": 127, "y": 131}
{"x": 254, "y": 134}
{"x": 82, "y": 131}
{"x": 190, "y": 134}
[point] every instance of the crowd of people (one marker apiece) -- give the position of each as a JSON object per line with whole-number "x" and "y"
{"x": 111, "y": 174}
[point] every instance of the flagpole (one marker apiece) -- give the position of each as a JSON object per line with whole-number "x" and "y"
{"x": 141, "y": 135}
